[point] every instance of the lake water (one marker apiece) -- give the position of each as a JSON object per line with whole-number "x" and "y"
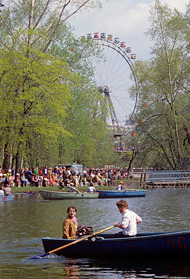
{"x": 28, "y": 218}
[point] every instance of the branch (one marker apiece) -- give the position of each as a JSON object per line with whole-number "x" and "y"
{"x": 163, "y": 150}
{"x": 153, "y": 117}
{"x": 62, "y": 21}
{"x": 42, "y": 14}
{"x": 82, "y": 5}
{"x": 8, "y": 27}
{"x": 51, "y": 23}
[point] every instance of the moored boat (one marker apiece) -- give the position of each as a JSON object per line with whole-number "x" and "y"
{"x": 146, "y": 245}
{"x": 6, "y": 198}
{"x": 121, "y": 194}
{"x": 56, "y": 195}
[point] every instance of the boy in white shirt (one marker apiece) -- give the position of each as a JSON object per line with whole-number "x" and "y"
{"x": 129, "y": 220}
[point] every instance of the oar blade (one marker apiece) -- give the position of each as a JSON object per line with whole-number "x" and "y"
{"x": 39, "y": 256}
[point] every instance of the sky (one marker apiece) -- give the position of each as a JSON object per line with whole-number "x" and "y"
{"x": 127, "y": 20}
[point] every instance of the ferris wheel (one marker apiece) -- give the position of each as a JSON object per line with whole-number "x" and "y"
{"x": 115, "y": 75}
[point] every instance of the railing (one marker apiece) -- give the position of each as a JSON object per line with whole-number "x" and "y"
{"x": 168, "y": 176}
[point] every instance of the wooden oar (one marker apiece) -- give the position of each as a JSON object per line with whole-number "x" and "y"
{"x": 71, "y": 243}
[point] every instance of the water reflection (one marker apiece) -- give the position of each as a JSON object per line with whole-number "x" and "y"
{"x": 85, "y": 268}
{"x": 71, "y": 271}
{"x": 95, "y": 269}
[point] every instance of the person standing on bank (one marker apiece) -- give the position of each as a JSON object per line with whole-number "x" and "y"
{"x": 129, "y": 220}
{"x": 70, "y": 224}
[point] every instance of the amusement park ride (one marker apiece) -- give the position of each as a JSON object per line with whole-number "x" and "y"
{"x": 119, "y": 52}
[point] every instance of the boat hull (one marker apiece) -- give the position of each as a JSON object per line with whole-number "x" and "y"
{"x": 153, "y": 245}
{"x": 6, "y": 198}
{"x": 53, "y": 195}
{"x": 104, "y": 194}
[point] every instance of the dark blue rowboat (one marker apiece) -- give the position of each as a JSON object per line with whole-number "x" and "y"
{"x": 147, "y": 245}
{"x": 129, "y": 193}
{"x": 6, "y": 198}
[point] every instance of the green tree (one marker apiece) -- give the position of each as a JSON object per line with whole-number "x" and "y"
{"x": 41, "y": 83}
{"x": 32, "y": 98}
{"x": 163, "y": 88}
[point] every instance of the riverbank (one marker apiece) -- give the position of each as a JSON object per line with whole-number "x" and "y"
{"x": 33, "y": 189}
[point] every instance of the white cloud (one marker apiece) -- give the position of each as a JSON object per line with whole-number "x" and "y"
{"x": 121, "y": 18}
{"x": 178, "y": 4}
{"x": 127, "y": 19}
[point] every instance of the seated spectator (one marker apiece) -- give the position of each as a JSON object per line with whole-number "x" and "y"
{"x": 34, "y": 180}
{"x": 61, "y": 184}
{"x": 104, "y": 181}
{"x": 40, "y": 180}
{"x": 11, "y": 180}
{"x": 45, "y": 181}
{"x": 28, "y": 175}
{"x": 98, "y": 179}
{"x": 54, "y": 179}
{"x": 4, "y": 179}
{"x": 17, "y": 180}
{"x": 56, "y": 171}
{"x": 23, "y": 180}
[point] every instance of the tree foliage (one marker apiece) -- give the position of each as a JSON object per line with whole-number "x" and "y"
{"x": 50, "y": 108}
{"x": 163, "y": 115}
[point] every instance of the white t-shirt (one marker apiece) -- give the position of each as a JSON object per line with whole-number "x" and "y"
{"x": 130, "y": 220}
{"x": 91, "y": 189}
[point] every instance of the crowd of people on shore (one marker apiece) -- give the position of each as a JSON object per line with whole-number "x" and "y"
{"x": 61, "y": 176}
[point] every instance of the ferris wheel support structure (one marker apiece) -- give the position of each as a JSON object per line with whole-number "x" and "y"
{"x": 115, "y": 123}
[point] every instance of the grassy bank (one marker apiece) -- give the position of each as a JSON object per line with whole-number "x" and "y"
{"x": 33, "y": 189}
{"x": 30, "y": 189}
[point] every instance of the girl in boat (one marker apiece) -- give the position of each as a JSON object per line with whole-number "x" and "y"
{"x": 70, "y": 224}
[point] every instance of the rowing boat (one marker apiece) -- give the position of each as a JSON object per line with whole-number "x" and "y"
{"x": 56, "y": 195}
{"x": 146, "y": 245}
{"x": 6, "y": 198}
{"x": 104, "y": 194}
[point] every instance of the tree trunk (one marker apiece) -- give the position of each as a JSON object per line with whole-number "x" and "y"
{"x": 7, "y": 155}
{"x": 178, "y": 142}
{"x": 18, "y": 161}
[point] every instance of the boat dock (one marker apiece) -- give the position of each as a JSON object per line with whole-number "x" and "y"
{"x": 165, "y": 179}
